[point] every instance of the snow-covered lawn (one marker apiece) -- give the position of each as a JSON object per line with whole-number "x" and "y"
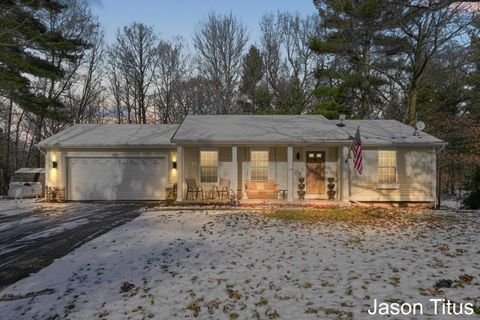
{"x": 229, "y": 265}
{"x": 10, "y": 207}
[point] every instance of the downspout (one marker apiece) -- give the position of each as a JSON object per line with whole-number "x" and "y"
{"x": 438, "y": 175}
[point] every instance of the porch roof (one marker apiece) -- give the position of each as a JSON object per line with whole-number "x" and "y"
{"x": 259, "y": 129}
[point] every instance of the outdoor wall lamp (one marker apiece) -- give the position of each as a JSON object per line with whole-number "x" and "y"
{"x": 54, "y": 164}
{"x": 174, "y": 163}
{"x": 298, "y": 155}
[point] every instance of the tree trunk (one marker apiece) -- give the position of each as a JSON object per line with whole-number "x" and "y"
{"x": 8, "y": 139}
{"x": 365, "y": 103}
{"x": 37, "y": 138}
{"x": 412, "y": 106}
{"x": 439, "y": 187}
{"x": 17, "y": 138}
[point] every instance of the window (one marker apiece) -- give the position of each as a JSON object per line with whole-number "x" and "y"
{"x": 387, "y": 167}
{"x": 208, "y": 166}
{"x": 259, "y": 165}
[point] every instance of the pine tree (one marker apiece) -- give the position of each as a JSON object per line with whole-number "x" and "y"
{"x": 347, "y": 83}
{"x": 252, "y": 74}
{"x": 23, "y": 36}
{"x": 263, "y": 101}
{"x": 473, "y": 78}
{"x": 290, "y": 97}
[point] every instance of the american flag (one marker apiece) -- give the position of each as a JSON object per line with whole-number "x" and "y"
{"x": 356, "y": 147}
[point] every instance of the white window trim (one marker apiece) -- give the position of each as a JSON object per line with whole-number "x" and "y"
{"x": 387, "y": 186}
{"x": 200, "y": 165}
{"x": 268, "y": 162}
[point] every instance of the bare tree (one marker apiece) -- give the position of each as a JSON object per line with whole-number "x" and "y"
{"x": 134, "y": 56}
{"x": 85, "y": 99}
{"x": 271, "y": 50}
{"x": 171, "y": 73}
{"x": 220, "y": 43}
{"x": 423, "y": 32}
{"x": 289, "y": 62}
{"x": 196, "y": 96}
{"x": 115, "y": 88}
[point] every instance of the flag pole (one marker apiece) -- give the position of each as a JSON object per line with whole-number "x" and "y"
{"x": 348, "y": 155}
{"x": 351, "y": 144}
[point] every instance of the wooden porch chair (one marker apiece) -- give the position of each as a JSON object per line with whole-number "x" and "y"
{"x": 193, "y": 188}
{"x": 223, "y": 188}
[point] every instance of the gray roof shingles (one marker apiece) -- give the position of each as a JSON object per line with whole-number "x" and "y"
{"x": 264, "y": 129}
{"x": 240, "y": 129}
{"x": 388, "y": 132}
{"x": 112, "y": 135}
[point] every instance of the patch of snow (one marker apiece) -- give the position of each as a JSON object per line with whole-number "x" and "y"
{"x": 451, "y": 204}
{"x": 11, "y": 207}
{"x": 13, "y": 224}
{"x": 58, "y": 229}
{"x": 173, "y": 264}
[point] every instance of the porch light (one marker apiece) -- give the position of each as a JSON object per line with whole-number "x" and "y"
{"x": 54, "y": 164}
{"x": 174, "y": 163}
{"x": 298, "y": 155}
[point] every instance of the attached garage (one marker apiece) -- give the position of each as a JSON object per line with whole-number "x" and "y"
{"x": 117, "y": 178}
{"x": 111, "y": 162}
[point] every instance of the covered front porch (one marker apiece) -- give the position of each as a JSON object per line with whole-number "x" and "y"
{"x": 256, "y": 174}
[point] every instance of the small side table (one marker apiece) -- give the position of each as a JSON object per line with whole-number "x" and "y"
{"x": 283, "y": 193}
{"x": 211, "y": 194}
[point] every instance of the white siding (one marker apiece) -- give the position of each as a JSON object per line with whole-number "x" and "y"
{"x": 414, "y": 177}
{"x": 415, "y": 169}
{"x": 192, "y": 163}
{"x": 278, "y": 166}
{"x": 225, "y": 163}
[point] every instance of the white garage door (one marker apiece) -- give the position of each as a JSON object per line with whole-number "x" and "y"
{"x": 117, "y": 178}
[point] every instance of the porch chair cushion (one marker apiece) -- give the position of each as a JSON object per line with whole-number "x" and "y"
{"x": 261, "y": 189}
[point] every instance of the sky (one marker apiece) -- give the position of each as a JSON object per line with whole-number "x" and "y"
{"x": 171, "y": 18}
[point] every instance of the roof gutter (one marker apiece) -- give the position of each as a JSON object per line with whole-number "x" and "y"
{"x": 263, "y": 143}
{"x": 156, "y": 146}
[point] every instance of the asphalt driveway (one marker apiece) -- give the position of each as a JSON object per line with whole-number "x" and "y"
{"x": 32, "y": 235}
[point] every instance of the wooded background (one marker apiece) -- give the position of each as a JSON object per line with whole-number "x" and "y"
{"x": 403, "y": 60}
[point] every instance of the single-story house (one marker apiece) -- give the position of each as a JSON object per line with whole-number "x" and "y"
{"x": 255, "y": 157}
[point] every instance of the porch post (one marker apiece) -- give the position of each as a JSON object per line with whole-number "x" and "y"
{"x": 289, "y": 173}
{"x": 234, "y": 178}
{"x": 345, "y": 174}
{"x": 434, "y": 177}
{"x": 180, "y": 173}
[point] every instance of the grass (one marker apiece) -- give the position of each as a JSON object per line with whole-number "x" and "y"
{"x": 358, "y": 216}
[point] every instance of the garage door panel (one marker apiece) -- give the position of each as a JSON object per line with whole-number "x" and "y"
{"x": 115, "y": 178}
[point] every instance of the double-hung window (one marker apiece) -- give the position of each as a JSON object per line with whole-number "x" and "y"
{"x": 259, "y": 165}
{"x": 387, "y": 167}
{"x": 208, "y": 166}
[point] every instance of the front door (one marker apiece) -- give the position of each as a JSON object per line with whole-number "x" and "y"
{"x": 315, "y": 163}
